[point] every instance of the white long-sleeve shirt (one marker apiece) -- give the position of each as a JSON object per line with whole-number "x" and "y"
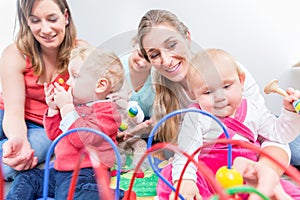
{"x": 272, "y": 131}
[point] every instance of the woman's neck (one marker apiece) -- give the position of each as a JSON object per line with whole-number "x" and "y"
{"x": 138, "y": 79}
{"x": 186, "y": 88}
{"x": 50, "y": 64}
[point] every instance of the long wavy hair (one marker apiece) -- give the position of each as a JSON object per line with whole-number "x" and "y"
{"x": 30, "y": 47}
{"x": 166, "y": 98}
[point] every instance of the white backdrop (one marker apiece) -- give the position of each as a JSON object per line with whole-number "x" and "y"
{"x": 262, "y": 35}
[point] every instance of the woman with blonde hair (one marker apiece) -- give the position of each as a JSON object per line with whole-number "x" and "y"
{"x": 166, "y": 42}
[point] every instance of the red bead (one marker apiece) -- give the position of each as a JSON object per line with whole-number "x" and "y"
{"x": 235, "y": 197}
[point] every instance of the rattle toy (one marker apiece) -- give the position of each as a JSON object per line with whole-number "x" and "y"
{"x": 135, "y": 112}
{"x": 273, "y": 87}
{"x": 62, "y": 83}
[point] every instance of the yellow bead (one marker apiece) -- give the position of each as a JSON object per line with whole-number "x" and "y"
{"x": 61, "y": 81}
{"x": 229, "y": 177}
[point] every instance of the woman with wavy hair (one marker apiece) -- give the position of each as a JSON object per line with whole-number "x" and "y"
{"x": 39, "y": 54}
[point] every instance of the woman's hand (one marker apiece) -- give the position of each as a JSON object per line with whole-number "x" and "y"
{"x": 188, "y": 189}
{"x": 17, "y": 153}
{"x": 261, "y": 177}
{"x": 139, "y": 129}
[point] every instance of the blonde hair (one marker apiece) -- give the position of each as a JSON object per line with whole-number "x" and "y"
{"x": 101, "y": 64}
{"x": 166, "y": 99}
{"x": 30, "y": 47}
{"x": 203, "y": 59}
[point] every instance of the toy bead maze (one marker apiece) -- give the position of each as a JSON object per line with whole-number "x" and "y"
{"x": 233, "y": 186}
{"x": 226, "y": 187}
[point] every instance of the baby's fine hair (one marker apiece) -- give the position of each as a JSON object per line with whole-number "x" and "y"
{"x": 203, "y": 59}
{"x": 102, "y": 64}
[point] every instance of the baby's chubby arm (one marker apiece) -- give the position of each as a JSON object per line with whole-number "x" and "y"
{"x": 189, "y": 140}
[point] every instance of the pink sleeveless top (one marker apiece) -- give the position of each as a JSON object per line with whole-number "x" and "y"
{"x": 35, "y": 104}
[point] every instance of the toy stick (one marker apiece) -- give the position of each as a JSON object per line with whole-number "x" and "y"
{"x": 273, "y": 87}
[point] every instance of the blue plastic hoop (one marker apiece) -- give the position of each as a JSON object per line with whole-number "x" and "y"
{"x": 171, "y": 114}
{"x": 54, "y": 143}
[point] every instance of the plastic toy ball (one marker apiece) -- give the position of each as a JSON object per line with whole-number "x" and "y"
{"x": 133, "y": 111}
{"x": 229, "y": 177}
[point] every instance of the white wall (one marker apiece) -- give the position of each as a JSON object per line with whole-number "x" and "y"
{"x": 7, "y": 22}
{"x": 263, "y": 35}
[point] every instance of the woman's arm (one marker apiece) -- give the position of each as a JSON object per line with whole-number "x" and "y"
{"x": 13, "y": 89}
{"x": 17, "y": 152}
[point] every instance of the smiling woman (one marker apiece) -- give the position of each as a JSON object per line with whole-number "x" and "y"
{"x": 39, "y": 54}
{"x": 165, "y": 42}
{"x": 47, "y": 24}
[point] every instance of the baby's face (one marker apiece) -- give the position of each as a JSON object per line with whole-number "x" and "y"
{"x": 82, "y": 83}
{"x": 218, "y": 89}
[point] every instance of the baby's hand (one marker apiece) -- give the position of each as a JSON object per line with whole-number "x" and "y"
{"x": 61, "y": 96}
{"x": 49, "y": 96}
{"x": 188, "y": 189}
{"x": 261, "y": 177}
{"x": 294, "y": 95}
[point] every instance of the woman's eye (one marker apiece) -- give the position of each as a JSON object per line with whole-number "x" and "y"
{"x": 53, "y": 19}
{"x": 34, "y": 20}
{"x": 171, "y": 45}
{"x": 153, "y": 55}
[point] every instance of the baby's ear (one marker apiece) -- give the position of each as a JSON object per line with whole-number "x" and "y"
{"x": 242, "y": 77}
{"x": 102, "y": 85}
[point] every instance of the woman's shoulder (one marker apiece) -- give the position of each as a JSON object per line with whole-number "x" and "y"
{"x": 11, "y": 49}
{"x": 12, "y": 56}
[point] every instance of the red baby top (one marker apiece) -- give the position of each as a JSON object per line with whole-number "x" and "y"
{"x": 102, "y": 116}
